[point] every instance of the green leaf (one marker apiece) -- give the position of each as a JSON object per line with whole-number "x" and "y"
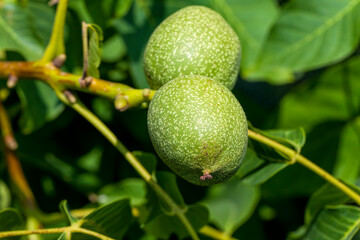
{"x": 122, "y": 8}
{"x": 114, "y": 49}
{"x": 148, "y": 160}
{"x": 164, "y": 225}
{"x": 18, "y": 32}
{"x": 334, "y": 95}
{"x": 142, "y": 11}
{"x": 136, "y": 31}
{"x": 103, "y": 108}
{"x": 347, "y": 166}
{"x": 95, "y": 49}
{"x": 148, "y": 237}
{"x": 294, "y": 138}
{"x": 167, "y": 181}
{"x": 297, "y": 234}
{"x": 65, "y": 210}
{"x": 82, "y": 181}
{"x": 263, "y": 162}
{"x": 62, "y": 237}
{"x": 169, "y": 7}
{"x": 261, "y": 175}
{"x": 58, "y": 167}
{"x": 112, "y": 219}
{"x": 326, "y": 195}
{"x": 155, "y": 205}
{"x": 252, "y": 21}
{"x": 135, "y": 39}
{"x": 10, "y": 219}
{"x": 43, "y": 17}
{"x": 5, "y": 196}
{"x": 29, "y": 37}
{"x": 255, "y": 171}
{"x": 308, "y": 35}
{"x": 321, "y": 148}
{"x": 336, "y": 222}
{"x": 231, "y": 204}
{"x": 92, "y": 160}
{"x": 327, "y": 107}
{"x": 133, "y": 188}
{"x": 80, "y": 7}
{"x": 86, "y": 181}
{"x": 39, "y": 104}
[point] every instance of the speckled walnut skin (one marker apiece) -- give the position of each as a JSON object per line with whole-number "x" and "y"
{"x": 193, "y": 41}
{"x": 198, "y": 127}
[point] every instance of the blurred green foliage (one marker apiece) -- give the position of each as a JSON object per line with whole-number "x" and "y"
{"x": 299, "y": 75}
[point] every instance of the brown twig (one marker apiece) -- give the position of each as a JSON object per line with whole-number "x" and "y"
{"x": 13, "y": 164}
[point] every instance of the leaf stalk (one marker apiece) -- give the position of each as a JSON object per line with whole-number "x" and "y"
{"x": 306, "y": 163}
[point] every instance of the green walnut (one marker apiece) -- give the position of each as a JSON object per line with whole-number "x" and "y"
{"x": 198, "y": 128}
{"x": 193, "y": 41}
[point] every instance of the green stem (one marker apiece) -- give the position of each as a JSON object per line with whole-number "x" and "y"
{"x": 80, "y": 213}
{"x": 110, "y": 136}
{"x": 32, "y": 224}
{"x": 56, "y": 45}
{"x": 306, "y": 163}
{"x": 214, "y": 233}
{"x": 51, "y": 75}
{"x": 37, "y": 231}
{"x": 52, "y": 231}
{"x": 91, "y": 233}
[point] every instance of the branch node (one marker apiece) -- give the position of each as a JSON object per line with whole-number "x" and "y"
{"x": 12, "y": 80}
{"x": 70, "y": 96}
{"x": 121, "y": 103}
{"x": 59, "y": 60}
{"x": 85, "y": 82}
{"x": 144, "y": 105}
{"x": 292, "y": 160}
{"x": 10, "y": 142}
{"x": 146, "y": 92}
{"x": 88, "y": 80}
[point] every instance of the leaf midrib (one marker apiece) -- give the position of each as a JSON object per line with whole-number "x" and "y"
{"x": 318, "y": 31}
{"x": 240, "y": 27}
